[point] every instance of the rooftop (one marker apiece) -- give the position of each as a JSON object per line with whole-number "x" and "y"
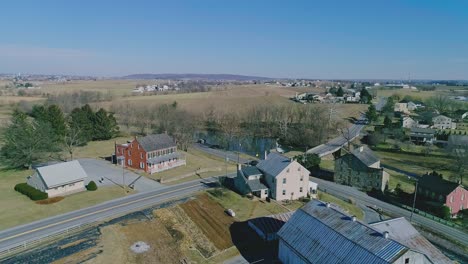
{"x": 274, "y": 164}
{"x": 156, "y": 141}
{"x": 322, "y": 234}
{"x": 365, "y": 155}
{"x": 437, "y": 184}
{"x": 62, "y": 173}
{"x": 402, "y": 231}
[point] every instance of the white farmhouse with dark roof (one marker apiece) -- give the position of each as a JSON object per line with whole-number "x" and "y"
{"x": 277, "y": 176}
{"x": 59, "y": 179}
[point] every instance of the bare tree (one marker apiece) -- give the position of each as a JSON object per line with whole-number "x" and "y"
{"x": 72, "y": 139}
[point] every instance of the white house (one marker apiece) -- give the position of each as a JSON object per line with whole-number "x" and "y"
{"x": 59, "y": 179}
{"x": 443, "y": 122}
{"x": 408, "y": 122}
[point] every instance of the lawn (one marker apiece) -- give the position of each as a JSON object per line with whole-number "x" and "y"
{"x": 210, "y": 166}
{"x": 243, "y": 207}
{"x": 18, "y": 209}
{"x": 348, "y": 207}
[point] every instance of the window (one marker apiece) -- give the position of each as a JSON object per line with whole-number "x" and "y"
{"x": 299, "y": 169}
{"x": 451, "y": 199}
{"x": 141, "y": 155}
{"x": 463, "y": 197}
{"x": 138, "y": 146}
{"x": 142, "y": 165}
{"x": 300, "y": 189}
{"x": 284, "y": 180}
{"x": 131, "y": 145}
{"x": 129, "y": 152}
{"x": 406, "y": 260}
{"x": 129, "y": 162}
{"x": 284, "y": 192}
{"x": 118, "y": 151}
{"x": 266, "y": 191}
{"x": 287, "y": 170}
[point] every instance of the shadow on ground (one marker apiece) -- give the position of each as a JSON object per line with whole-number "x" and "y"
{"x": 251, "y": 246}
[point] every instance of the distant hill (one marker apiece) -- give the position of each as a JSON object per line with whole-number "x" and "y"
{"x": 194, "y": 76}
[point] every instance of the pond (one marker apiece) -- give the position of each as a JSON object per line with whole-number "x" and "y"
{"x": 253, "y": 146}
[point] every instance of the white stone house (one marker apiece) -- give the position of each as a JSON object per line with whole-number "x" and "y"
{"x": 59, "y": 179}
{"x": 443, "y": 122}
{"x": 408, "y": 122}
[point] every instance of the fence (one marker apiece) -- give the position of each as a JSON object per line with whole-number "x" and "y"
{"x": 430, "y": 216}
{"x": 23, "y": 246}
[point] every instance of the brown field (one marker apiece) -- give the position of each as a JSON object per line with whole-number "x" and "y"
{"x": 211, "y": 219}
{"x": 116, "y": 87}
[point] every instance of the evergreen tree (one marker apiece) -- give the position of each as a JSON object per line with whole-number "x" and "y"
{"x": 82, "y": 119}
{"x": 387, "y": 122}
{"x": 340, "y": 92}
{"x": 366, "y": 97}
{"x": 371, "y": 113}
{"x": 26, "y": 142}
{"x": 105, "y": 125}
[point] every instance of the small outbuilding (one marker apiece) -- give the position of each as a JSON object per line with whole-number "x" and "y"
{"x": 59, "y": 179}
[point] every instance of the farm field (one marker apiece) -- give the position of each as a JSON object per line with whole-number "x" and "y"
{"x": 18, "y": 209}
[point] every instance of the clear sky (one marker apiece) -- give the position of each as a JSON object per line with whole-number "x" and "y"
{"x": 311, "y": 39}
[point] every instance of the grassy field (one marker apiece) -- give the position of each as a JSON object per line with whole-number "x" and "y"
{"x": 18, "y": 209}
{"x": 348, "y": 207}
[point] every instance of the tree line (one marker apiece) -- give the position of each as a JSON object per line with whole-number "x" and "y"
{"x": 46, "y": 131}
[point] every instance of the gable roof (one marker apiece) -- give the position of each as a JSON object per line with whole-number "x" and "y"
{"x": 61, "y": 173}
{"x": 437, "y": 184}
{"x": 274, "y": 164}
{"x": 402, "y": 231}
{"x": 250, "y": 171}
{"x": 155, "y": 142}
{"x": 441, "y": 117}
{"x": 365, "y": 155}
{"x": 322, "y": 234}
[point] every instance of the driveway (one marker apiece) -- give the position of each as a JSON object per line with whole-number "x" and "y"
{"x": 101, "y": 169}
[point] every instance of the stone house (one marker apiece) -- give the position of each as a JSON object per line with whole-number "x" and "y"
{"x": 360, "y": 168}
{"x": 443, "y": 122}
{"x": 408, "y": 122}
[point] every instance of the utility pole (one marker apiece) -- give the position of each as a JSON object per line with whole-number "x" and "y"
{"x": 414, "y": 200}
{"x": 123, "y": 177}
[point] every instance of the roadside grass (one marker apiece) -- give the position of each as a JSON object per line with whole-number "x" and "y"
{"x": 407, "y": 185}
{"x": 18, "y": 209}
{"x": 196, "y": 159}
{"x": 244, "y": 207}
{"x": 328, "y": 164}
{"x": 418, "y": 164}
{"x": 348, "y": 207}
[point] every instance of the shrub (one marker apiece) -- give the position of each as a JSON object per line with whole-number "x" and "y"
{"x": 30, "y": 192}
{"x": 91, "y": 186}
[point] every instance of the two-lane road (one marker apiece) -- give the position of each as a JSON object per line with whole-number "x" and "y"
{"x": 363, "y": 199}
{"x": 15, "y": 236}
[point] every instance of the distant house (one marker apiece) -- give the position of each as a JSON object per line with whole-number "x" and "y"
{"x": 152, "y": 153}
{"x": 436, "y": 189}
{"x": 323, "y": 233}
{"x": 422, "y": 135}
{"x": 443, "y": 122}
{"x": 59, "y": 179}
{"x": 411, "y": 106}
{"x": 284, "y": 178}
{"x": 408, "y": 122}
{"x": 138, "y": 90}
{"x": 360, "y": 168}
{"x": 401, "y": 108}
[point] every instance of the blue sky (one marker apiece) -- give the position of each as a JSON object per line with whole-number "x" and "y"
{"x": 309, "y": 39}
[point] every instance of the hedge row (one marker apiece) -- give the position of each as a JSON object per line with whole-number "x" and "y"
{"x": 30, "y": 192}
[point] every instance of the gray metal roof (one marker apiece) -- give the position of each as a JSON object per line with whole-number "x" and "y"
{"x": 163, "y": 158}
{"x": 271, "y": 224}
{"x": 365, "y": 155}
{"x": 418, "y": 130}
{"x": 156, "y": 141}
{"x": 250, "y": 171}
{"x": 327, "y": 235}
{"x": 256, "y": 185}
{"x": 62, "y": 173}
{"x": 274, "y": 164}
{"x": 402, "y": 231}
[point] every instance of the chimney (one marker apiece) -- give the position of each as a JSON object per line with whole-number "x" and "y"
{"x": 239, "y": 166}
{"x": 353, "y": 218}
{"x": 266, "y": 155}
{"x": 385, "y": 234}
{"x": 328, "y": 205}
{"x": 361, "y": 148}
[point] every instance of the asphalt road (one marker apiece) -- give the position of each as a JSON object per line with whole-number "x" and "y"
{"x": 220, "y": 153}
{"x": 15, "y": 236}
{"x": 365, "y": 200}
{"x": 337, "y": 143}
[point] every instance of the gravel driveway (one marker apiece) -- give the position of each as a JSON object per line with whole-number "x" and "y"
{"x": 101, "y": 169}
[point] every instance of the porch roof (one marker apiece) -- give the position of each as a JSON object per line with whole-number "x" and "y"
{"x": 163, "y": 158}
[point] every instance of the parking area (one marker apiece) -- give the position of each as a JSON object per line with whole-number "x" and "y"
{"x": 104, "y": 173}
